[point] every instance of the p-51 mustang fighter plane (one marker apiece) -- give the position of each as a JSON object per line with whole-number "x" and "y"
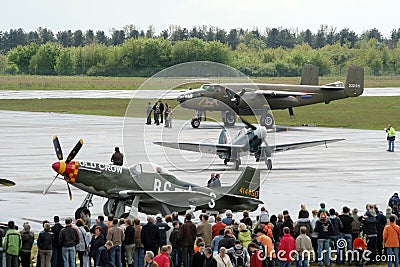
{"x": 260, "y": 98}
{"x": 146, "y": 187}
{"x": 249, "y": 140}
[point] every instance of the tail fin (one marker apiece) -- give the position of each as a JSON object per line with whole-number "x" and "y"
{"x": 309, "y": 75}
{"x": 248, "y": 184}
{"x": 223, "y": 137}
{"x": 355, "y": 81}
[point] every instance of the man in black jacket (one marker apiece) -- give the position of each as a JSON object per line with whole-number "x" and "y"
{"x": 176, "y": 255}
{"x": 370, "y": 231}
{"x": 150, "y": 236}
{"x": 56, "y": 257}
{"x": 69, "y": 238}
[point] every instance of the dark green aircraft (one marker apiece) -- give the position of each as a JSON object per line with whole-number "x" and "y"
{"x": 148, "y": 188}
{"x": 260, "y": 98}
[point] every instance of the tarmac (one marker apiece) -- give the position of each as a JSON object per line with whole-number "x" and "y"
{"x": 352, "y": 172}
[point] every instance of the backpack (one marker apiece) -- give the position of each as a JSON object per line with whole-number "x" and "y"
{"x": 239, "y": 256}
{"x": 395, "y": 201}
{"x": 268, "y": 230}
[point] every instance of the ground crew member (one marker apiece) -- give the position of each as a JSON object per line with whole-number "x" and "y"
{"x": 391, "y": 136}
{"x": 117, "y": 158}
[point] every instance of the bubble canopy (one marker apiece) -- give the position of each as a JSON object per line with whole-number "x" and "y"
{"x": 148, "y": 167}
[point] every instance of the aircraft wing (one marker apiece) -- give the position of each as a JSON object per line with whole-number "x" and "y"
{"x": 292, "y": 146}
{"x": 276, "y": 93}
{"x": 185, "y": 198}
{"x": 203, "y": 148}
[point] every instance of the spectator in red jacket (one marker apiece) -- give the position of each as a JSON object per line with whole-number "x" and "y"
{"x": 286, "y": 248}
{"x": 162, "y": 259}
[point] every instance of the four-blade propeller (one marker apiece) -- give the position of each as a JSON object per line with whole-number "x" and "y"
{"x": 60, "y": 166}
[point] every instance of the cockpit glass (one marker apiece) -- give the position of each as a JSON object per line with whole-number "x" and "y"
{"x": 212, "y": 88}
{"x": 148, "y": 167}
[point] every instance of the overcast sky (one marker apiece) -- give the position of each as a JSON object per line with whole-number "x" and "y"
{"x": 57, "y": 15}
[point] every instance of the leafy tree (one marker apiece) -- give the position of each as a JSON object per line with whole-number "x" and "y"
{"x": 150, "y": 32}
{"x": 46, "y": 35}
{"x": 65, "y": 38}
{"x": 186, "y": 51}
{"x": 78, "y": 38}
{"x": 44, "y": 61}
{"x": 101, "y": 38}
{"x": 217, "y": 52}
{"x": 64, "y": 63}
{"x": 89, "y": 37}
{"x": 233, "y": 38}
{"x": 220, "y": 36}
{"x": 3, "y": 63}
{"x": 117, "y": 37}
{"x": 273, "y": 38}
{"x": 347, "y": 36}
{"x": 21, "y": 56}
{"x": 372, "y": 34}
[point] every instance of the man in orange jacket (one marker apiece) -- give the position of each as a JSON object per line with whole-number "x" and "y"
{"x": 391, "y": 237}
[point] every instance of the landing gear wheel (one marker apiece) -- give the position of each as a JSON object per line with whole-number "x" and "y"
{"x": 195, "y": 122}
{"x": 268, "y": 162}
{"x": 109, "y": 207}
{"x": 237, "y": 164}
{"x": 267, "y": 121}
{"x": 78, "y": 213}
{"x": 226, "y": 161}
{"x": 230, "y": 118}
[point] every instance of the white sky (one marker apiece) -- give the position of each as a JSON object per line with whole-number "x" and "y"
{"x": 104, "y": 15}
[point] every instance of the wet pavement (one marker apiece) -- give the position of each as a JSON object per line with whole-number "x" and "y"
{"x": 353, "y": 172}
{"x": 140, "y": 94}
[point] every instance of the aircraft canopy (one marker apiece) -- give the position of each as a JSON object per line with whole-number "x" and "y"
{"x": 148, "y": 167}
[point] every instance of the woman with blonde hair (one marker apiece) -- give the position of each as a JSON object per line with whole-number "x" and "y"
{"x": 222, "y": 258}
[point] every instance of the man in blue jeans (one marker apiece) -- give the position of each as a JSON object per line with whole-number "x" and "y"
{"x": 391, "y": 136}
{"x": 116, "y": 235}
{"x": 324, "y": 229}
{"x": 69, "y": 238}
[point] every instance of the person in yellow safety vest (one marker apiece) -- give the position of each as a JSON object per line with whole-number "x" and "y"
{"x": 391, "y": 136}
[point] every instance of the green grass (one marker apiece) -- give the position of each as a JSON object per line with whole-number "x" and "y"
{"x": 358, "y": 113}
{"x": 33, "y": 82}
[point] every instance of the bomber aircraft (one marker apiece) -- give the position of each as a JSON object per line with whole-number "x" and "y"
{"x": 259, "y": 98}
{"x": 148, "y": 188}
{"x": 250, "y": 140}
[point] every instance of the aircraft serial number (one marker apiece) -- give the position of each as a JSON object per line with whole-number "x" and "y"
{"x": 354, "y": 85}
{"x": 247, "y": 192}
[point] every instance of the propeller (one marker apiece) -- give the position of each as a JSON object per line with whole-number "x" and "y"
{"x": 248, "y": 124}
{"x": 235, "y": 97}
{"x": 57, "y": 166}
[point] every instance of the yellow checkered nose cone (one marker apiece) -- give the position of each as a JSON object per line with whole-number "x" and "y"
{"x": 69, "y": 170}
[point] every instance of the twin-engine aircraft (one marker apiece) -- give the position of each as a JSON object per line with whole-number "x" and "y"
{"x": 260, "y": 98}
{"x": 250, "y": 140}
{"x": 148, "y": 188}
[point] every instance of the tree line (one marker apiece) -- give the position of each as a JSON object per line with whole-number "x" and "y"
{"x": 133, "y": 52}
